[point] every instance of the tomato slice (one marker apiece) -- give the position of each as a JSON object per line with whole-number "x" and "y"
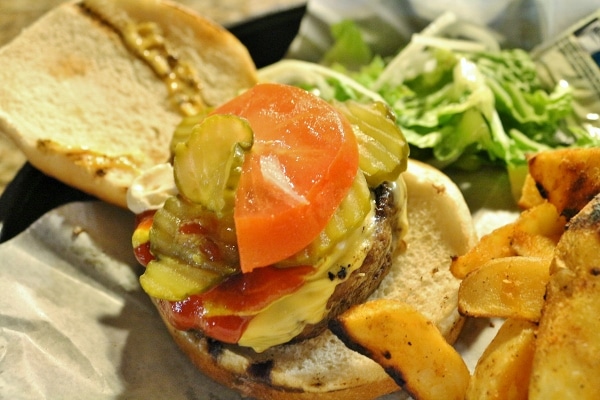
{"x": 302, "y": 164}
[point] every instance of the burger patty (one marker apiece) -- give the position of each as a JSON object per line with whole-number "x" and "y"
{"x": 357, "y": 287}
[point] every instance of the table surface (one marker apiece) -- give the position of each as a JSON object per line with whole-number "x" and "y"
{"x": 17, "y": 14}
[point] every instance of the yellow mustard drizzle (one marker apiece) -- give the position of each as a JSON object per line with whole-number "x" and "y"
{"x": 147, "y": 41}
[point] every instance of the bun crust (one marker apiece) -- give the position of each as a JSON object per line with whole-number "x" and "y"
{"x": 69, "y": 84}
{"x": 440, "y": 227}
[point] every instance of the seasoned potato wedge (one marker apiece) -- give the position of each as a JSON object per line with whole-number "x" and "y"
{"x": 407, "y": 345}
{"x": 534, "y": 234}
{"x": 504, "y": 368}
{"x": 495, "y": 244}
{"x": 537, "y": 231}
{"x": 543, "y": 268}
{"x": 566, "y": 362}
{"x": 530, "y": 195}
{"x": 568, "y": 178}
{"x": 508, "y": 287}
{"x": 579, "y": 247}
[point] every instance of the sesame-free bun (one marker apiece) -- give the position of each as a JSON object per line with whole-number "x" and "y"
{"x": 86, "y": 110}
{"x": 440, "y": 227}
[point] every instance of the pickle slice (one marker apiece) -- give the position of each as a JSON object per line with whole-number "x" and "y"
{"x": 184, "y": 129}
{"x": 383, "y": 150}
{"x": 209, "y": 164}
{"x": 187, "y": 232}
{"x": 169, "y": 279}
{"x": 349, "y": 216}
{"x": 194, "y": 251}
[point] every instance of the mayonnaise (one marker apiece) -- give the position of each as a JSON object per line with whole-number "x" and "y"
{"x": 151, "y": 189}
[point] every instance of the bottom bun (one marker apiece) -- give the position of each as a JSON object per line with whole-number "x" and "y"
{"x": 440, "y": 227}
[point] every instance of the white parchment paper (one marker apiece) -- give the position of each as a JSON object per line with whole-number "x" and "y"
{"x": 74, "y": 323}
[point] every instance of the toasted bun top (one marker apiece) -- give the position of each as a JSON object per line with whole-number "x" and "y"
{"x": 86, "y": 110}
{"x": 440, "y": 227}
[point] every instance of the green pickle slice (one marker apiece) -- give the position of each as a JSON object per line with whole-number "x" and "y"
{"x": 194, "y": 251}
{"x": 198, "y": 222}
{"x": 170, "y": 279}
{"x": 184, "y": 129}
{"x": 209, "y": 164}
{"x": 349, "y": 216}
{"x": 383, "y": 150}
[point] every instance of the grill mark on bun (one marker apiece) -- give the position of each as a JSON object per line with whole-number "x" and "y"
{"x": 214, "y": 348}
{"x": 261, "y": 370}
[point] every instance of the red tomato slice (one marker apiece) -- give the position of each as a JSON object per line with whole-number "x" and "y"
{"x": 302, "y": 164}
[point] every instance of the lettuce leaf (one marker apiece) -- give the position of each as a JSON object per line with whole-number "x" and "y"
{"x": 349, "y": 47}
{"x": 461, "y": 103}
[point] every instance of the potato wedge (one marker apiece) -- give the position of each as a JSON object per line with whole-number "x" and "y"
{"x": 566, "y": 362}
{"x": 509, "y": 287}
{"x": 534, "y": 234}
{"x": 530, "y": 195}
{"x": 567, "y": 357}
{"x": 537, "y": 231}
{"x": 504, "y": 368}
{"x": 407, "y": 345}
{"x": 579, "y": 247}
{"x": 568, "y": 178}
{"x": 495, "y": 244}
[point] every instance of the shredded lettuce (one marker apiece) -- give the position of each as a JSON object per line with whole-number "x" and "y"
{"x": 349, "y": 47}
{"x": 460, "y": 99}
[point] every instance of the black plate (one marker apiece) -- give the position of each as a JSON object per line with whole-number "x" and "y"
{"x": 31, "y": 193}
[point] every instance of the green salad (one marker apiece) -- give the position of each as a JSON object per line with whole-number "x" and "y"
{"x": 460, "y": 99}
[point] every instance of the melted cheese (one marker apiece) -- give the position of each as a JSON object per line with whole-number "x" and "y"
{"x": 285, "y": 318}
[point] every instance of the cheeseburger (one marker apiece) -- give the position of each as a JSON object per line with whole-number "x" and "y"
{"x": 278, "y": 212}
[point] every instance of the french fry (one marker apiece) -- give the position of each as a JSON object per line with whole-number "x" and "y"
{"x": 568, "y": 178}
{"x": 407, "y": 345}
{"x": 509, "y": 287}
{"x": 496, "y": 244}
{"x": 566, "y": 362}
{"x": 504, "y": 368}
